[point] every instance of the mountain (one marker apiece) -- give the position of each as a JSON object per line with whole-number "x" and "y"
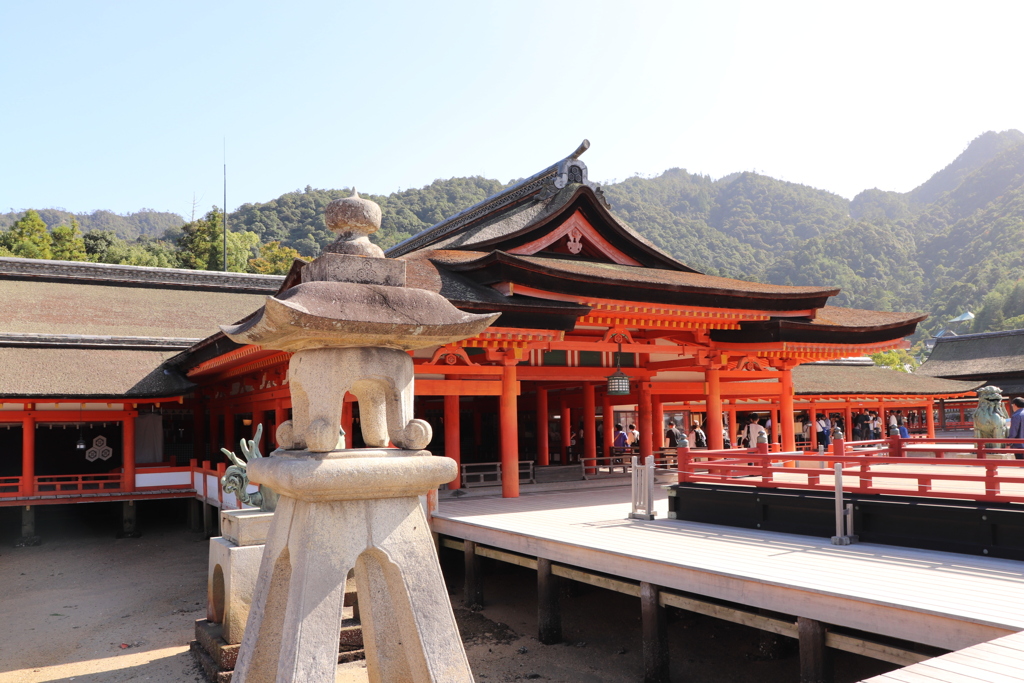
{"x": 952, "y": 244}
{"x": 142, "y": 223}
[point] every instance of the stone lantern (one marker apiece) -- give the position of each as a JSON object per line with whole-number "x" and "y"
{"x": 349, "y": 324}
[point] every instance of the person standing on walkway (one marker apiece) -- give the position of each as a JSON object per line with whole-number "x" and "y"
{"x": 672, "y": 435}
{"x": 1017, "y": 425}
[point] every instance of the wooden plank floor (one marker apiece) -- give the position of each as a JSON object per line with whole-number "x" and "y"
{"x": 941, "y": 599}
{"x": 998, "y": 660}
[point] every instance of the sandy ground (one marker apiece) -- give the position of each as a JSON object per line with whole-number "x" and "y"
{"x": 85, "y": 606}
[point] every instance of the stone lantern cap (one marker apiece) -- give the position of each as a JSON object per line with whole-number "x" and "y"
{"x": 347, "y": 314}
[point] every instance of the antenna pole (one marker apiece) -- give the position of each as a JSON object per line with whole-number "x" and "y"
{"x": 225, "y": 260}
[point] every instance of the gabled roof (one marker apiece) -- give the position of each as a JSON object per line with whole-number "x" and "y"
{"x": 521, "y": 212}
{"x": 831, "y": 324}
{"x": 634, "y": 283}
{"x": 989, "y": 355}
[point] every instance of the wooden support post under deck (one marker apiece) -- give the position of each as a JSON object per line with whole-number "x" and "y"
{"x": 128, "y": 447}
{"x": 543, "y": 452}
{"x": 451, "y": 437}
{"x": 128, "y": 519}
{"x": 508, "y": 412}
{"x": 815, "y": 663}
{"x": 207, "y": 521}
{"x": 655, "y": 635}
{"x": 589, "y": 427}
{"x": 473, "y": 592}
{"x": 608, "y": 413}
{"x": 28, "y": 521}
{"x": 786, "y": 412}
{"x": 28, "y": 456}
{"x": 549, "y": 613}
{"x": 714, "y": 408}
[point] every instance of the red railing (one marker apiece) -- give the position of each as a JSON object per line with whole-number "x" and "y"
{"x": 77, "y": 483}
{"x": 976, "y": 471}
{"x": 10, "y": 486}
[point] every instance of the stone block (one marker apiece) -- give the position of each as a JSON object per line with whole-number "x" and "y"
{"x": 358, "y": 269}
{"x": 245, "y": 527}
{"x": 233, "y": 570}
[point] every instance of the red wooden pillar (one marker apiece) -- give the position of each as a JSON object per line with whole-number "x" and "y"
{"x": 848, "y": 422}
{"x": 28, "y": 456}
{"x": 451, "y": 436}
{"x": 128, "y": 448}
{"x": 733, "y": 426}
{"x": 786, "y": 412}
{"x": 646, "y": 421}
{"x": 566, "y": 429}
{"x": 608, "y": 413}
{"x": 214, "y": 438}
{"x": 509, "y": 418}
{"x": 930, "y": 418}
{"x": 347, "y": 421}
{"x": 942, "y": 415}
{"x": 813, "y": 432}
{"x": 714, "y": 409}
{"x": 658, "y": 422}
{"x": 280, "y": 417}
{"x": 589, "y": 427}
{"x": 543, "y": 453}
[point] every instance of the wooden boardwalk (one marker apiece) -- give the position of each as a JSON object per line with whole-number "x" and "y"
{"x": 940, "y": 599}
{"x": 998, "y": 661}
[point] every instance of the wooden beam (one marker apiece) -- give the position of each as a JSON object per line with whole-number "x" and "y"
{"x": 460, "y": 387}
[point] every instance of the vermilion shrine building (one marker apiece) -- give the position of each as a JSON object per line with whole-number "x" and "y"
{"x": 127, "y": 362}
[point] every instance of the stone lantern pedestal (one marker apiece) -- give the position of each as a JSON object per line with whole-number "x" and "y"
{"x": 341, "y": 510}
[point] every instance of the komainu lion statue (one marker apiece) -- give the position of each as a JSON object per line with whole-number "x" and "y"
{"x": 990, "y": 417}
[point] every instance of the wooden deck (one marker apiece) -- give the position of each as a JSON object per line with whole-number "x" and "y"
{"x": 940, "y": 599}
{"x": 999, "y": 661}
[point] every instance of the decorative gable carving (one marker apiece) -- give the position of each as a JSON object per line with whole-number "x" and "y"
{"x": 580, "y": 237}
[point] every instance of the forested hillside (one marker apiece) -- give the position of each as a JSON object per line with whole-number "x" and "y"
{"x": 954, "y": 243}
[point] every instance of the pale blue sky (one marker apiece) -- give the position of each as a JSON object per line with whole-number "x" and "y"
{"x": 124, "y": 105}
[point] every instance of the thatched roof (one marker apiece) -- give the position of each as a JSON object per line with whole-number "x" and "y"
{"x": 835, "y": 379}
{"x": 988, "y": 356}
{"x": 28, "y": 372}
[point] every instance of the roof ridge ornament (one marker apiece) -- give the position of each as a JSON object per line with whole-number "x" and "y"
{"x": 584, "y": 146}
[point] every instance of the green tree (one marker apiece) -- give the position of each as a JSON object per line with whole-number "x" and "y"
{"x": 68, "y": 244}
{"x": 897, "y": 359}
{"x": 28, "y": 237}
{"x": 273, "y": 259}
{"x": 98, "y": 242}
